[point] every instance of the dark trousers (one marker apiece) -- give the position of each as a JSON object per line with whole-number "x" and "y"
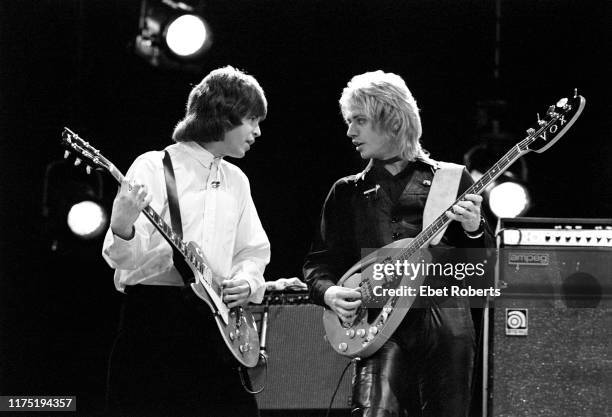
{"x": 424, "y": 369}
{"x": 169, "y": 360}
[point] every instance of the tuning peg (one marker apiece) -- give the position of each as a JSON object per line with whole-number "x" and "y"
{"x": 88, "y": 169}
{"x": 66, "y": 154}
{"x": 551, "y": 110}
{"x": 540, "y": 121}
{"x": 77, "y": 162}
{"x": 562, "y": 103}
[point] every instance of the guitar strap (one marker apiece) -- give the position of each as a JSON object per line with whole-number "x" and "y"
{"x": 175, "y": 217}
{"x": 442, "y": 193}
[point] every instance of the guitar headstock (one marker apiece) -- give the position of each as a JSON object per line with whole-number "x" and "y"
{"x": 557, "y": 120}
{"x": 84, "y": 152}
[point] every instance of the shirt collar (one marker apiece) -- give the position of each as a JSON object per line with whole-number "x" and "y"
{"x": 199, "y": 153}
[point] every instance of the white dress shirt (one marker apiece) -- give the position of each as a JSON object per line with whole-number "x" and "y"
{"x": 221, "y": 220}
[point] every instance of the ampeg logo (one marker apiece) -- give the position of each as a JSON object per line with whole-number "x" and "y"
{"x": 516, "y": 322}
{"x": 522, "y": 258}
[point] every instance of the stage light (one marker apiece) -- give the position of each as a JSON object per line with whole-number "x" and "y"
{"x": 508, "y": 195}
{"x": 74, "y": 216}
{"x": 87, "y": 219}
{"x": 186, "y": 35}
{"x": 508, "y": 199}
{"x": 172, "y": 34}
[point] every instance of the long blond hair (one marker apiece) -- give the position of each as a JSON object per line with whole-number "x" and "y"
{"x": 387, "y": 101}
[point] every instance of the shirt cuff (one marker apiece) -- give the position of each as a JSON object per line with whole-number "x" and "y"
{"x": 120, "y": 253}
{"x": 250, "y": 273}
{"x": 257, "y": 290}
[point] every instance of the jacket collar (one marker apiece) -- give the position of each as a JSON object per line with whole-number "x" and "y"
{"x": 427, "y": 161}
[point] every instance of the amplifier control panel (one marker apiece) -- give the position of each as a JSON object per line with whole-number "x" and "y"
{"x": 556, "y": 232}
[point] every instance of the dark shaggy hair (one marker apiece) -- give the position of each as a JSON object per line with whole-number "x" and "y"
{"x": 218, "y": 104}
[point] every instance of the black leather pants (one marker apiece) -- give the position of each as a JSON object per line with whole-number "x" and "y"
{"x": 424, "y": 369}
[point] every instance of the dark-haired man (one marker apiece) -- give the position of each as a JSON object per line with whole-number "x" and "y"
{"x": 167, "y": 359}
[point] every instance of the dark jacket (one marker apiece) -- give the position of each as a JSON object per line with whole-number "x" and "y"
{"x": 357, "y": 219}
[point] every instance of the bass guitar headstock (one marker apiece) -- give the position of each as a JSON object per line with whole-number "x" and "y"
{"x": 556, "y": 121}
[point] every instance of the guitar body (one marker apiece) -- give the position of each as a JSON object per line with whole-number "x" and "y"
{"x": 372, "y": 327}
{"x": 236, "y": 326}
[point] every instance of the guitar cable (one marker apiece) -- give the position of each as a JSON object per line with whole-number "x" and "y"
{"x": 353, "y": 361}
{"x": 263, "y": 356}
{"x": 246, "y": 384}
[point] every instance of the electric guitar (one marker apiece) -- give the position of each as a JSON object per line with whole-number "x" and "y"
{"x": 372, "y": 328}
{"x": 236, "y": 325}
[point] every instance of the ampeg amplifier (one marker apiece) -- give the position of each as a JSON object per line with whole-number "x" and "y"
{"x": 549, "y": 354}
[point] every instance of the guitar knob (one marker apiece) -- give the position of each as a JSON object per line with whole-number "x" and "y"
{"x": 350, "y": 333}
{"x": 361, "y": 332}
{"x": 342, "y": 347}
{"x": 231, "y": 336}
{"x": 373, "y": 330}
{"x": 245, "y": 348}
{"x": 237, "y": 334}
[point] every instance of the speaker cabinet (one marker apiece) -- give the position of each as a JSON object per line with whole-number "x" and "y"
{"x": 550, "y": 349}
{"x": 303, "y": 370}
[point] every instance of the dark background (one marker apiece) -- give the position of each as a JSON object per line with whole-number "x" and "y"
{"x": 69, "y": 63}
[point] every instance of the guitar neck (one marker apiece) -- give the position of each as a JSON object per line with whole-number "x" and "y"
{"x": 477, "y": 188}
{"x": 549, "y": 132}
